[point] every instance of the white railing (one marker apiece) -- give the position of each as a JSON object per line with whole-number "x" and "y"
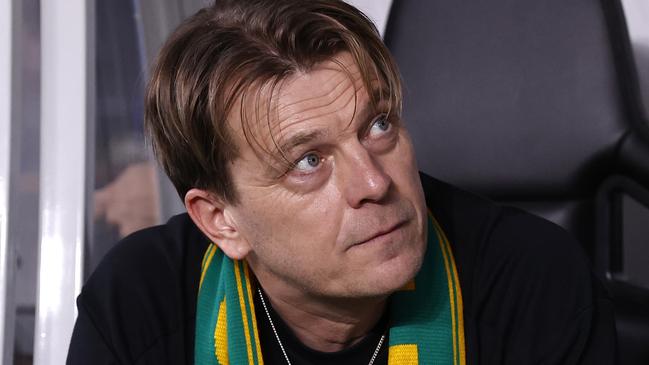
{"x": 67, "y": 69}
{"x": 9, "y": 97}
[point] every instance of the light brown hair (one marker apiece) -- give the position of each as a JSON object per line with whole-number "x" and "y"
{"x": 222, "y": 52}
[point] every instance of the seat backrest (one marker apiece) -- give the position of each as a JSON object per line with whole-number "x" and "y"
{"x": 525, "y": 92}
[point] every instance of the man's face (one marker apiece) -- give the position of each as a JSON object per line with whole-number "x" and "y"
{"x": 348, "y": 219}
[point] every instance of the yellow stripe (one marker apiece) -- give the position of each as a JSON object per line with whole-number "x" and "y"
{"x": 450, "y": 286}
{"x": 403, "y": 355}
{"x": 252, "y": 313}
{"x": 460, "y": 305}
{"x": 221, "y": 335}
{"x": 207, "y": 252}
{"x": 207, "y": 260}
{"x": 244, "y": 315}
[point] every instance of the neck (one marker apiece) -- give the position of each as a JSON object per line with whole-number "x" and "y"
{"x": 325, "y": 324}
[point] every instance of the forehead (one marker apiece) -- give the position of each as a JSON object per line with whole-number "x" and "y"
{"x": 326, "y": 90}
{"x": 329, "y": 94}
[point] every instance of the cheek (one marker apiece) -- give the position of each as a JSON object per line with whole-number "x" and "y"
{"x": 406, "y": 151}
{"x": 404, "y": 166}
{"x": 281, "y": 221}
{"x": 405, "y": 175}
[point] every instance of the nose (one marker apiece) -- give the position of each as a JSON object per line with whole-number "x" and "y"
{"x": 363, "y": 177}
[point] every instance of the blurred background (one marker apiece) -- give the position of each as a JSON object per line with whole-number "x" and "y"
{"x": 75, "y": 172}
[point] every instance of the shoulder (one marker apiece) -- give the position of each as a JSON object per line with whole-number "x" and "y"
{"x": 538, "y": 260}
{"x": 487, "y": 237}
{"x": 528, "y": 288}
{"x": 144, "y": 256}
{"x": 144, "y": 287}
{"x": 540, "y": 245}
{"x": 536, "y": 297}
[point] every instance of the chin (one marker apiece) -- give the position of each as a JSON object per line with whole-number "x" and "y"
{"x": 391, "y": 276}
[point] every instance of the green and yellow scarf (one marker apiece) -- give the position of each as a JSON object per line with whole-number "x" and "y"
{"x": 426, "y": 320}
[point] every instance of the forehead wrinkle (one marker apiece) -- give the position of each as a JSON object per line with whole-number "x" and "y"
{"x": 313, "y": 111}
{"x": 327, "y": 99}
{"x": 304, "y": 137}
{"x": 342, "y": 65}
{"x": 265, "y": 110}
{"x": 262, "y": 113}
{"x": 333, "y": 93}
{"x": 359, "y": 96}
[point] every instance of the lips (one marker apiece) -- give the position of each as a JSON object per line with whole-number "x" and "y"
{"x": 380, "y": 233}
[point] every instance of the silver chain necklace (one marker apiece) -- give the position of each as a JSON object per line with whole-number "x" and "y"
{"x": 281, "y": 346}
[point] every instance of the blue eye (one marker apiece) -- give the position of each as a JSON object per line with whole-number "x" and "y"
{"x": 308, "y": 163}
{"x": 380, "y": 125}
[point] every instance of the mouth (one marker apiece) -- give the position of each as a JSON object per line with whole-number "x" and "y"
{"x": 381, "y": 235}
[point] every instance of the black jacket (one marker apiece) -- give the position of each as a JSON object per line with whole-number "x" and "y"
{"x": 529, "y": 294}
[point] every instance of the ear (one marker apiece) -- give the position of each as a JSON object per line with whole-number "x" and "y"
{"x": 213, "y": 217}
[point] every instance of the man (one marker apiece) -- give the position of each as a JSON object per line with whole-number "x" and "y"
{"x": 310, "y": 236}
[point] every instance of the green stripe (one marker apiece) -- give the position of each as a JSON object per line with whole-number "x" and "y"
{"x": 237, "y": 351}
{"x": 207, "y": 310}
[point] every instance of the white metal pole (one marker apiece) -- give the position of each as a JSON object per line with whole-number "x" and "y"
{"x": 10, "y": 15}
{"x": 66, "y": 70}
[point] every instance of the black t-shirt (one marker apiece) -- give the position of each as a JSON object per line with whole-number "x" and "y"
{"x": 358, "y": 354}
{"x": 529, "y": 295}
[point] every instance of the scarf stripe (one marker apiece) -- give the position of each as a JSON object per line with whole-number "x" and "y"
{"x": 244, "y": 311}
{"x": 427, "y": 318}
{"x": 208, "y": 313}
{"x": 205, "y": 255}
{"x": 221, "y": 335}
{"x": 451, "y": 294}
{"x": 459, "y": 346}
{"x": 255, "y": 332}
{"x": 207, "y": 259}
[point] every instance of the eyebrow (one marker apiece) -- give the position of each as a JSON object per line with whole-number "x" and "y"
{"x": 299, "y": 139}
